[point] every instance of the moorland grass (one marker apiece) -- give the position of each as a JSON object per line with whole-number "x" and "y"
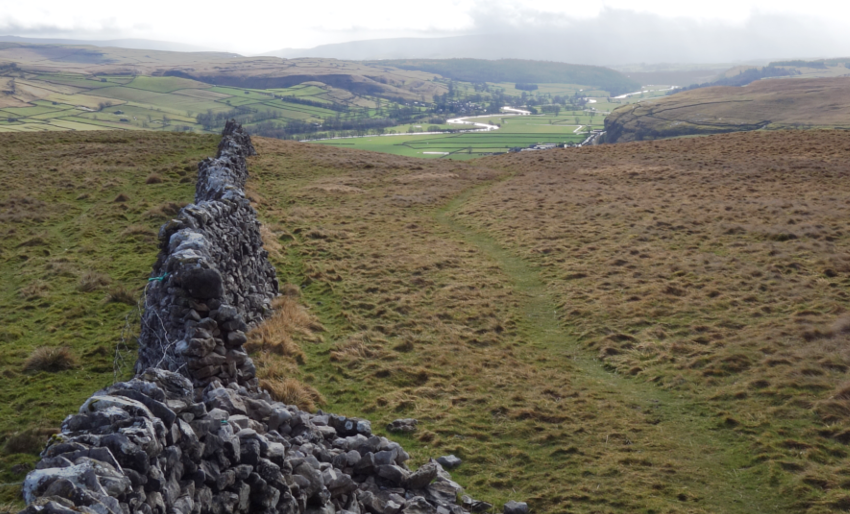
{"x": 653, "y": 327}
{"x": 431, "y": 319}
{"x": 74, "y": 263}
{"x": 714, "y": 268}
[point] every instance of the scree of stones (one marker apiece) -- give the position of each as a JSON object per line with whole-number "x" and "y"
{"x": 192, "y": 432}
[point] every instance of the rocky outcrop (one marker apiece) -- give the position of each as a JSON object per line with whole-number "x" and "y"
{"x": 192, "y": 433}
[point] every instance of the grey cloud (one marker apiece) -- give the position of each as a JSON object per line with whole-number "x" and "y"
{"x": 620, "y": 36}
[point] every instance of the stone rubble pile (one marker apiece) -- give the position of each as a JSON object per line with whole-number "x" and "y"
{"x": 193, "y": 433}
{"x": 157, "y": 445}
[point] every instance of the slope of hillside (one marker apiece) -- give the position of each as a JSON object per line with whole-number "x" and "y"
{"x": 79, "y": 214}
{"x": 773, "y": 103}
{"x": 222, "y": 69}
{"x": 647, "y": 327}
{"x": 517, "y": 70}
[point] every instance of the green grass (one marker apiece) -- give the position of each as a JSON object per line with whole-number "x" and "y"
{"x": 165, "y": 84}
{"x": 60, "y": 223}
{"x": 242, "y": 93}
{"x": 516, "y": 131}
{"x": 80, "y": 105}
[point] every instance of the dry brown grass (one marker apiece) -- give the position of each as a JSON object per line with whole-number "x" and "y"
{"x": 293, "y": 392}
{"x": 31, "y": 440}
{"x": 140, "y": 232}
{"x": 35, "y": 290}
{"x": 123, "y": 295}
{"x": 165, "y": 210}
{"x": 50, "y": 359}
{"x": 154, "y": 178}
{"x": 821, "y": 102}
{"x": 92, "y": 280}
{"x": 276, "y": 349}
{"x": 290, "y": 319}
{"x": 271, "y": 241}
{"x": 660, "y": 259}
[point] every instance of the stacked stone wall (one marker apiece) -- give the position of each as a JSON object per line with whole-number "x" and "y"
{"x": 192, "y": 433}
{"x": 212, "y": 280}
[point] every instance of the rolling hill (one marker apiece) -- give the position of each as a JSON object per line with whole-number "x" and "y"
{"x": 764, "y": 104}
{"x": 518, "y": 70}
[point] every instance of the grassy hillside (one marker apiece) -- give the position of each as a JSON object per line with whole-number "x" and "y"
{"x": 648, "y": 327}
{"x": 771, "y": 104}
{"x": 222, "y": 69}
{"x": 80, "y": 213}
{"x": 516, "y": 70}
{"x": 636, "y": 328}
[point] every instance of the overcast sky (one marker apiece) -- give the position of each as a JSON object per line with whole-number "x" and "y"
{"x": 812, "y": 28}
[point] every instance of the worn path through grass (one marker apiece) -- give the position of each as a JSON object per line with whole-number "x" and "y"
{"x": 709, "y": 465}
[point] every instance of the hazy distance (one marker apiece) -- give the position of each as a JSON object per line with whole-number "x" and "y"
{"x": 613, "y": 32}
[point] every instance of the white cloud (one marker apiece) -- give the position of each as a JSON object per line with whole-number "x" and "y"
{"x": 265, "y": 25}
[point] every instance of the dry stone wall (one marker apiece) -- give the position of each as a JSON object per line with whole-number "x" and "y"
{"x": 212, "y": 280}
{"x": 192, "y": 433}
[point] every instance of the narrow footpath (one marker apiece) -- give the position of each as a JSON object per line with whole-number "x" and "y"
{"x": 724, "y": 485}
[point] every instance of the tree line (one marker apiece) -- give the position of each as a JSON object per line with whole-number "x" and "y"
{"x": 244, "y": 115}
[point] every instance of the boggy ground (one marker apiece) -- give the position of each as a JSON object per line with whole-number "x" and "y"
{"x": 650, "y": 327}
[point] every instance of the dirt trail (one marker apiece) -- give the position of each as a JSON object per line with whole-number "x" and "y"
{"x": 712, "y": 462}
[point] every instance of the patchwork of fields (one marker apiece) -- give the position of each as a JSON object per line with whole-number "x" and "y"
{"x": 49, "y": 102}
{"x": 43, "y": 102}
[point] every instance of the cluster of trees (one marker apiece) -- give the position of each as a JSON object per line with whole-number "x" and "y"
{"x": 244, "y": 115}
{"x": 744, "y": 78}
{"x": 526, "y": 87}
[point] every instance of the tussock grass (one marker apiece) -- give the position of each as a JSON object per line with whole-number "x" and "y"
{"x": 50, "y": 360}
{"x": 35, "y": 290}
{"x": 28, "y": 441}
{"x": 293, "y": 392}
{"x": 92, "y": 281}
{"x": 276, "y": 348}
{"x": 123, "y": 295}
{"x": 613, "y": 329}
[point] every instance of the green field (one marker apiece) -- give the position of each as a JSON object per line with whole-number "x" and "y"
{"x": 65, "y": 101}
{"x": 79, "y": 102}
{"x": 515, "y": 131}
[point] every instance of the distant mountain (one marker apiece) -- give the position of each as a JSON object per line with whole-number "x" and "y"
{"x": 398, "y": 48}
{"x": 615, "y": 41}
{"x": 136, "y": 44}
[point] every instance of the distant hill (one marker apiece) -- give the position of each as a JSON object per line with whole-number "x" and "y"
{"x": 516, "y": 70}
{"x": 772, "y": 103}
{"x": 138, "y": 44}
{"x": 223, "y": 69}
